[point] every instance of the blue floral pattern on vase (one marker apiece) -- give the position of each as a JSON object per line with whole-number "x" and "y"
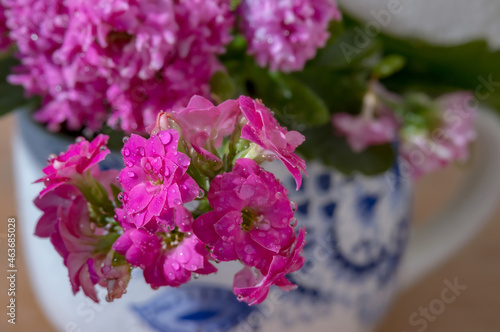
{"x": 194, "y": 307}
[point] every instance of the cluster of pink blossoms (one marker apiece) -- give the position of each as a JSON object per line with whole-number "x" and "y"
{"x": 284, "y": 34}
{"x": 423, "y": 150}
{"x": 77, "y": 207}
{"x": 202, "y": 156}
{"x": 4, "y": 32}
{"x": 115, "y": 62}
{"x": 427, "y": 151}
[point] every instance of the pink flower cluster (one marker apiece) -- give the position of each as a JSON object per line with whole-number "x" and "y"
{"x": 67, "y": 222}
{"x": 250, "y": 213}
{"x": 426, "y": 151}
{"x": 252, "y": 221}
{"x": 284, "y": 34}
{"x": 132, "y": 58}
{"x": 362, "y": 132}
{"x": 422, "y": 150}
{"x": 4, "y": 32}
{"x": 202, "y": 156}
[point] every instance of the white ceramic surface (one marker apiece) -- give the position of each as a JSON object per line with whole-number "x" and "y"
{"x": 439, "y": 21}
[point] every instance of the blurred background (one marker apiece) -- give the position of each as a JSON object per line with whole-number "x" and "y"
{"x": 476, "y": 265}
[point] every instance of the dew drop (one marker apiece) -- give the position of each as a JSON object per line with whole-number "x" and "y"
{"x": 176, "y": 266}
{"x": 125, "y": 139}
{"x": 293, "y": 205}
{"x": 196, "y": 275}
{"x": 201, "y": 194}
{"x": 120, "y": 197}
{"x": 79, "y": 139}
{"x": 126, "y": 152}
{"x": 131, "y": 174}
{"x": 165, "y": 137}
{"x": 103, "y": 148}
{"x": 293, "y": 222}
{"x": 249, "y": 249}
{"x": 51, "y": 157}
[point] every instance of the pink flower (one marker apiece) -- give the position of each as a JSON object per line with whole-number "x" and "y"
{"x": 251, "y": 217}
{"x": 75, "y": 235}
{"x": 72, "y": 236}
{"x": 204, "y": 125}
{"x": 362, "y": 132}
{"x": 115, "y": 278}
{"x": 174, "y": 266}
{"x": 284, "y": 34}
{"x": 425, "y": 152}
{"x": 263, "y": 129}
{"x": 139, "y": 247}
{"x": 4, "y": 32}
{"x": 118, "y": 62}
{"x": 253, "y": 287}
{"x": 69, "y": 166}
{"x": 154, "y": 180}
{"x": 167, "y": 258}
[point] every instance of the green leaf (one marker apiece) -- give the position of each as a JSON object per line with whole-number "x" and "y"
{"x": 11, "y": 96}
{"x": 293, "y": 102}
{"x": 322, "y": 143}
{"x": 222, "y": 85}
{"x": 389, "y": 65}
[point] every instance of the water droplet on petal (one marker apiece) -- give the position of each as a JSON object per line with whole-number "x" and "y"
{"x": 120, "y": 197}
{"x": 176, "y": 266}
{"x": 201, "y": 194}
{"x": 126, "y": 152}
{"x": 165, "y": 137}
{"x": 79, "y": 139}
{"x": 131, "y": 175}
{"x": 125, "y": 139}
{"x": 249, "y": 249}
{"x": 293, "y": 222}
{"x": 196, "y": 275}
{"x": 103, "y": 148}
{"x": 51, "y": 157}
{"x": 177, "y": 201}
{"x": 293, "y": 205}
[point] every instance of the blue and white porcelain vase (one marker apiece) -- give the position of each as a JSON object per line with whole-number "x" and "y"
{"x": 357, "y": 233}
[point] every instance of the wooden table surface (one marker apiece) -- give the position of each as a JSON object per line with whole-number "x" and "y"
{"x": 477, "y": 265}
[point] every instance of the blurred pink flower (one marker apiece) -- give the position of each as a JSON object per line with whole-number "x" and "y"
{"x": 4, "y": 32}
{"x": 284, "y": 34}
{"x": 425, "y": 152}
{"x": 118, "y": 62}
{"x": 362, "y": 132}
